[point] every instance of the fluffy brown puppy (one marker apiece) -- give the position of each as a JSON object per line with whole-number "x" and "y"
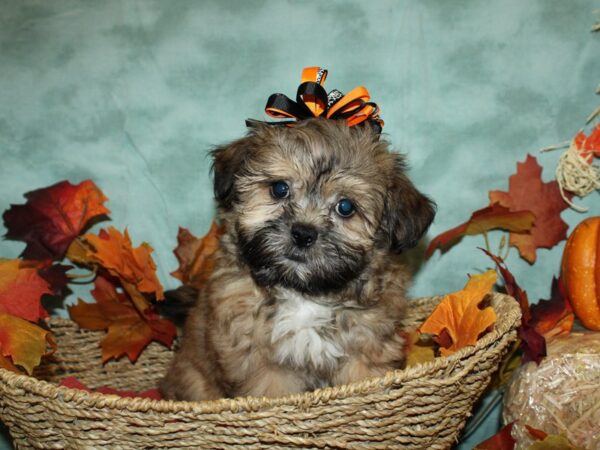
{"x": 307, "y": 290}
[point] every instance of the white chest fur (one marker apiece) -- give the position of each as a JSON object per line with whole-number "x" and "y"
{"x": 303, "y": 333}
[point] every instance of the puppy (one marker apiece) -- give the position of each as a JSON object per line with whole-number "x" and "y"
{"x": 308, "y": 290}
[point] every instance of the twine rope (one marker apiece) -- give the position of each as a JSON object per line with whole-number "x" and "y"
{"x": 575, "y": 174}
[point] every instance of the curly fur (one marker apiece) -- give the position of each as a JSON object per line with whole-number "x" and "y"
{"x": 276, "y": 318}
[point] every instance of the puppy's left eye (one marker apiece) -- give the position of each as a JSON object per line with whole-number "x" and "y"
{"x": 345, "y": 208}
{"x": 280, "y": 189}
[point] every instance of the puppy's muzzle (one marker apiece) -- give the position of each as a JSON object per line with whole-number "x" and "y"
{"x": 304, "y": 235}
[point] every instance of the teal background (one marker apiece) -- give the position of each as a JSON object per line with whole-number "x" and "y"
{"x": 134, "y": 94}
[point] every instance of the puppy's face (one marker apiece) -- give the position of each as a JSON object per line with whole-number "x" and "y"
{"x": 309, "y": 206}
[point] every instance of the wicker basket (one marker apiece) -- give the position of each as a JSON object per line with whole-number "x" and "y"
{"x": 423, "y": 407}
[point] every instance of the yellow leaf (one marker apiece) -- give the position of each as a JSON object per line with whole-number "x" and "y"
{"x": 418, "y": 352}
{"x": 553, "y": 442}
{"x": 23, "y": 341}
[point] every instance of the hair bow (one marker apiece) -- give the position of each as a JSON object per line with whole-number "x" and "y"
{"x": 312, "y": 100}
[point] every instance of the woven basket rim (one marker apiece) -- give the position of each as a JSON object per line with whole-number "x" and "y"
{"x": 506, "y": 321}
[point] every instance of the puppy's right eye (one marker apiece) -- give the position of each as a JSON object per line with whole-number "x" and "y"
{"x": 280, "y": 189}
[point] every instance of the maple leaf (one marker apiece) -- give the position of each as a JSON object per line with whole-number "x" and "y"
{"x": 588, "y": 146}
{"x": 527, "y": 191}
{"x": 129, "y": 331}
{"x": 555, "y": 316}
{"x": 125, "y": 337}
{"x": 24, "y": 342}
{"x": 21, "y": 289}
{"x": 458, "y": 321}
{"x": 114, "y": 252}
{"x": 502, "y": 440}
{"x": 196, "y": 255}
{"x": 74, "y": 383}
{"x": 510, "y": 284}
{"x": 483, "y": 220}
{"x": 53, "y": 217}
{"x": 6, "y": 363}
{"x": 56, "y": 276}
{"x": 533, "y": 344}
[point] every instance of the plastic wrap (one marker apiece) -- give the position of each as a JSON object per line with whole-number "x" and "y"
{"x": 561, "y": 395}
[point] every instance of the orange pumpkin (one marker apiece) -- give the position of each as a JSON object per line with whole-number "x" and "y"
{"x": 581, "y": 271}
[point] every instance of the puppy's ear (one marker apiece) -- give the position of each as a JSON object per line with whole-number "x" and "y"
{"x": 227, "y": 162}
{"x": 407, "y": 214}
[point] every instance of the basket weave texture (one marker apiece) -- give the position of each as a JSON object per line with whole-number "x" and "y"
{"x": 422, "y": 407}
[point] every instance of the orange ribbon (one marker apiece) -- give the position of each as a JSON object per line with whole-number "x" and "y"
{"x": 313, "y": 101}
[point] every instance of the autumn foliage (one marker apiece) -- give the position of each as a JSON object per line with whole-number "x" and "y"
{"x": 196, "y": 256}
{"x": 528, "y": 192}
{"x": 459, "y": 320}
{"x": 52, "y": 224}
{"x": 529, "y": 210}
{"x": 53, "y": 217}
{"x": 129, "y": 330}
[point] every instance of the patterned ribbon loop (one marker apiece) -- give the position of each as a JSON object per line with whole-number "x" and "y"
{"x": 312, "y": 100}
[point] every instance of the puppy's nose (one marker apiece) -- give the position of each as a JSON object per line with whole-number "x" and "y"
{"x": 304, "y": 235}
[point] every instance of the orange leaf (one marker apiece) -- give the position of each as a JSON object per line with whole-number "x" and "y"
{"x": 538, "y": 435}
{"x": 129, "y": 330}
{"x": 196, "y": 255}
{"x": 555, "y": 316}
{"x": 6, "y": 363}
{"x": 588, "y": 146}
{"x": 24, "y": 342}
{"x": 88, "y": 316}
{"x": 21, "y": 288}
{"x": 126, "y": 337}
{"x": 458, "y": 317}
{"x": 133, "y": 266}
{"x": 481, "y": 221}
{"x": 53, "y": 217}
{"x": 527, "y": 191}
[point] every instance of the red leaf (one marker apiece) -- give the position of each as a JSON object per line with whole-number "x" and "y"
{"x": 74, "y": 383}
{"x": 502, "y": 440}
{"x": 533, "y": 343}
{"x": 53, "y": 217}
{"x": 128, "y": 330}
{"x": 481, "y": 221}
{"x": 527, "y": 191}
{"x": 554, "y": 316}
{"x": 21, "y": 289}
{"x": 56, "y": 277}
{"x": 538, "y": 435}
{"x": 588, "y": 146}
{"x": 163, "y": 330}
{"x": 511, "y": 286}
